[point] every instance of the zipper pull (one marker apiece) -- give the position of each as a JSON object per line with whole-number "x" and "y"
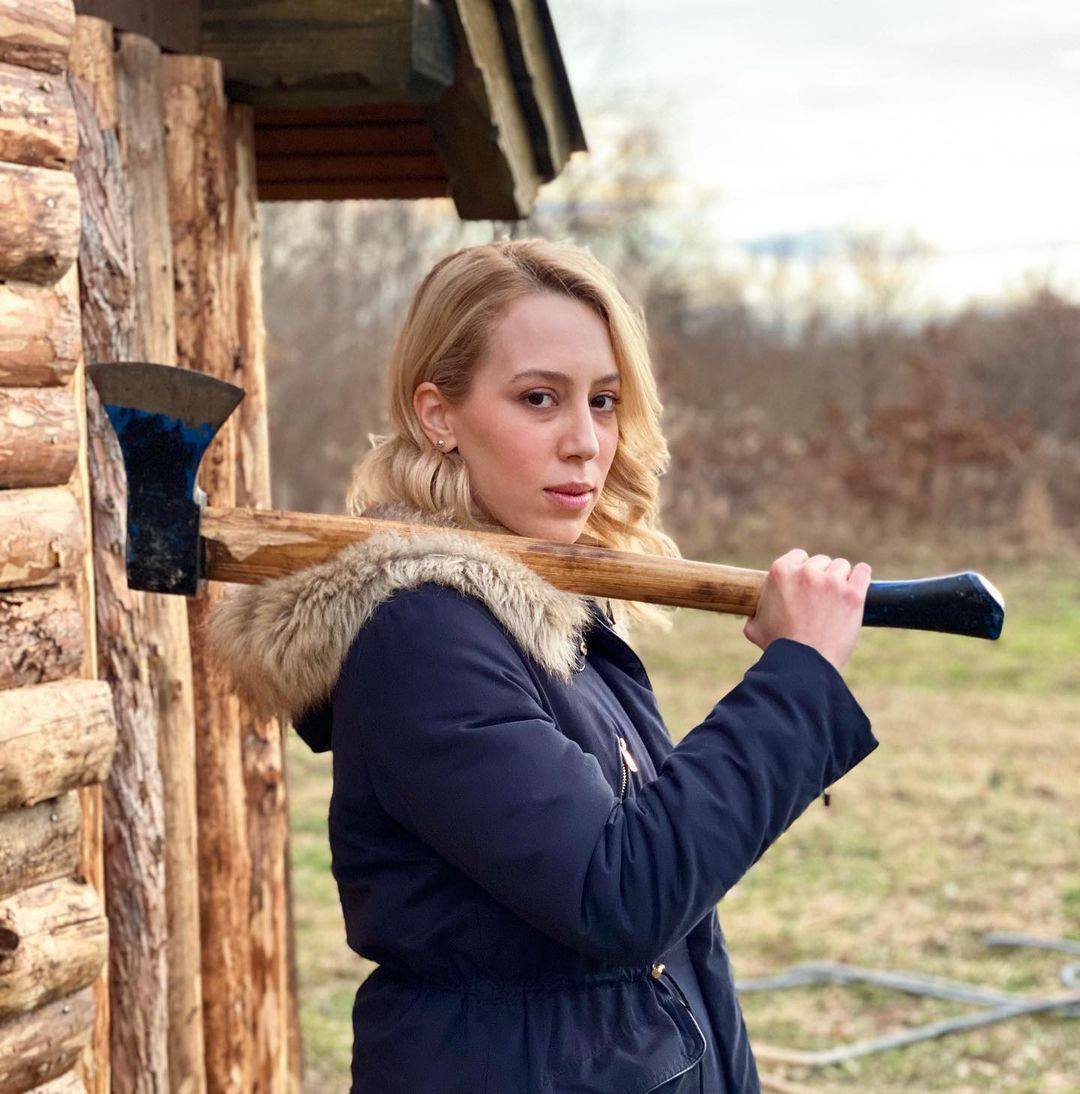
{"x": 627, "y": 758}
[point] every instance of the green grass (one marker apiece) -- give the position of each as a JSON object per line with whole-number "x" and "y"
{"x": 964, "y": 821}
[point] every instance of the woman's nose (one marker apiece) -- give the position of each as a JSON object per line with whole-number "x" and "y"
{"x": 580, "y": 439}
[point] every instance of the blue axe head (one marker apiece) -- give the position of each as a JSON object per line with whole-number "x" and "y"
{"x": 164, "y": 418}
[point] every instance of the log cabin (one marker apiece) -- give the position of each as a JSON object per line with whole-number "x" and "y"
{"x": 146, "y": 938}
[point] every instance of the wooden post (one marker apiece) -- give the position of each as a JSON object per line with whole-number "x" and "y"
{"x": 204, "y": 275}
{"x": 134, "y": 820}
{"x": 142, "y": 143}
{"x": 273, "y": 996}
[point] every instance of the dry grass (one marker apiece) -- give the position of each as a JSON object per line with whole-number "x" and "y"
{"x": 962, "y": 822}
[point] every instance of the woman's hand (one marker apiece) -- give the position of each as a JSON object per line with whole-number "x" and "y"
{"x": 818, "y": 601}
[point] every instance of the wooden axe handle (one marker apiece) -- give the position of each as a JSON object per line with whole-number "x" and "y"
{"x": 252, "y": 545}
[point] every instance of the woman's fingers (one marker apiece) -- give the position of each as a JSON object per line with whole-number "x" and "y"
{"x": 860, "y": 576}
{"x": 839, "y": 567}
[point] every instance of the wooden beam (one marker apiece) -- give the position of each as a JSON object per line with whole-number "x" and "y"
{"x": 36, "y": 33}
{"x": 40, "y": 333}
{"x": 39, "y": 843}
{"x": 480, "y": 129}
{"x": 276, "y": 1061}
{"x": 45, "y": 1043}
{"x": 56, "y": 736}
{"x": 141, "y": 135}
{"x": 397, "y": 113}
{"x": 542, "y": 86}
{"x": 347, "y": 168}
{"x": 328, "y": 52}
{"x": 172, "y": 24}
{"x": 395, "y": 138}
{"x": 44, "y": 537}
{"x": 41, "y": 635}
{"x": 402, "y": 189}
{"x": 39, "y": 231}
{"x": 195, "y": 156}
{"x": 37, "y": 120}
{"x": 68, "y": 1083}
{"x": 39, "y": 437}
{"x": 53, "y": 940}
{"x": 133, "y": 813}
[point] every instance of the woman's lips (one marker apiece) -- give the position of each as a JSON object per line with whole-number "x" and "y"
{"x": 569, "y": 501}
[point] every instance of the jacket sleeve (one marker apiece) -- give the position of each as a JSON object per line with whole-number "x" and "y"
{"x": 460, "y": 750}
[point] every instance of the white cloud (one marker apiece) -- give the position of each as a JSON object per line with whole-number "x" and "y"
{"x": 958, "y": 122}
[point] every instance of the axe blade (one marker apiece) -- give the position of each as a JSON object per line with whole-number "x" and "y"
{"x": 164, "y": 418}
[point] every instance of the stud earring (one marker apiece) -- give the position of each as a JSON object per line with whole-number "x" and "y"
{"x": 440, "y": 443}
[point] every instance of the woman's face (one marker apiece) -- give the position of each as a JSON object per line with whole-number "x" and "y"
{"x": 540, "y": 414}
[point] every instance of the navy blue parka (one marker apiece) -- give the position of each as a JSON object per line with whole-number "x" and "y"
{"x": 517, "y": 842}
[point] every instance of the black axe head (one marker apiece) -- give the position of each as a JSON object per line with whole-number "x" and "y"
{"x": 164, "y": 418}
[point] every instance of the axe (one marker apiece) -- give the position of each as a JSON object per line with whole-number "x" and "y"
{"x": 165, "y": 418}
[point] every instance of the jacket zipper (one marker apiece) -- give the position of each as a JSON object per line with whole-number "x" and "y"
{"x": 626, "y": 761}
{"x": 658, "y": 972}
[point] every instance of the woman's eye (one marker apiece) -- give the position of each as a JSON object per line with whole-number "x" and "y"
{"x": 529, "y": 396}
{"x": 538, "y": 394}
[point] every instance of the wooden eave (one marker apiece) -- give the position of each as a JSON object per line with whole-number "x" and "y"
{"x": 385, "y": 98}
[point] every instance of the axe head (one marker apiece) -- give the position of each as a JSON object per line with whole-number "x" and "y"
{"x": 164, "y": 418}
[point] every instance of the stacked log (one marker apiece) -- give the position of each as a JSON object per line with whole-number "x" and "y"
{"x": 57, "y": 728}
{"x": 130, "y": 233}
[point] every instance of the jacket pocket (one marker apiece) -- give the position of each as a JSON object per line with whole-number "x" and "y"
{"x": 655, "y": 1039}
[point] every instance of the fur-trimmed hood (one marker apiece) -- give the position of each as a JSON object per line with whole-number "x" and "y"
{"x": 282, "y": 643}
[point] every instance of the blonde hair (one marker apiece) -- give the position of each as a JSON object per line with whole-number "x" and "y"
{"x": 445, "y": 332}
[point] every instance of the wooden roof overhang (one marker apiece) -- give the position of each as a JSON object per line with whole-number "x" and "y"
{"x": 385, "y": 98}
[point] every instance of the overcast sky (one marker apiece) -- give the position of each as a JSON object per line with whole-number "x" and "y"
{"x": 958, "y": 119}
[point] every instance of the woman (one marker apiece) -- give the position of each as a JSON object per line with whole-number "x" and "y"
{"x": 517, "y": 842}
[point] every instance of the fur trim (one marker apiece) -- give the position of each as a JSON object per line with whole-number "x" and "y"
{"x": 282, "y": 642}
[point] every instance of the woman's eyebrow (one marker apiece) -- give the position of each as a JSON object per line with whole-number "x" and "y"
{"x": 551, "y": 374}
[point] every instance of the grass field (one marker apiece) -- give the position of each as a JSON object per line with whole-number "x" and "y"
{"x": 964, "y": 821}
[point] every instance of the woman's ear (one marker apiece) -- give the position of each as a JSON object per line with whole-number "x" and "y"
{"x": 431, "y": 412}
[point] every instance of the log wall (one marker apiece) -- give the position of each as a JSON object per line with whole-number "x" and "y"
{"x": 57, "y": 726}
{"x": 134, "y": 811}
{"x": 130, "y": 233}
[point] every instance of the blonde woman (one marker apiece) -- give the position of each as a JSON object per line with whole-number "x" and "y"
{"x": 517, "y": 842}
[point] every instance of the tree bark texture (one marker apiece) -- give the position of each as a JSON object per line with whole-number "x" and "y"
{"x": 40, "y": 335}
{"x": 134, "y": 816}
{"x": 39, "y": 231}
{"x": 36, "y": 33}
{"x": 40, "y": 843}
{"x": 54, "y": 737}
{"x": 276, "y": 1042}
{"x": 43, "y": 536}
{"x": 39, "y": 437}
{"x": 37, "y": 119}
{"x": 45, "y": 1043}
{"x": 195, "y": 152}
{"x": 41, "y": 635}
{"x": 142, "y": 145}
{"x": 53, "y": 939}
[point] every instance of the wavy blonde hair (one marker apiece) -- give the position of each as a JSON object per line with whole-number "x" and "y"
{"x": 445, "y": 332}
